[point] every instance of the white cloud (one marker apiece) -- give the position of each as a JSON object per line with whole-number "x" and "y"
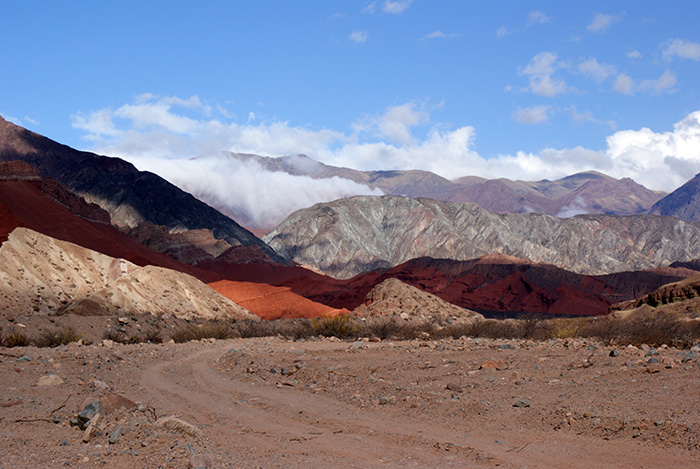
{"x": 440, "y": 35}
{"x": 663, "y": 84}
{"x": 370, "y": 8}
{"x": 578, "y": 206}
{"x": 537, "y": 17}
{"x": 624, "y": 84}
{"x": 682, "y": 49}
{"x": 396, "y": 7}
{"x": 502, "y": 31}
{"x": 532, "y": 115}
{"x": 388, "y": 140}
{"x": 634, "y": 54}
{"x": 539, "y": 71}
{"x": 595, "y": 70}
{"x": 255, "y": 197}
{"x": 602, "y": 22}
{"x": 435, "y": 35}
{"x": 358, "y": 36}
{"x": 587, "y": 116}
{"x": 395, "y": 123}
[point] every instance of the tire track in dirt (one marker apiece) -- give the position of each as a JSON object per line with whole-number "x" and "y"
{"x": 269, "y": 425}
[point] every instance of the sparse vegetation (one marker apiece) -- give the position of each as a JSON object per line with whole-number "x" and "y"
{"x": 212, "y": 330}
{"x": 56, "y": 338}
{"x": 340, "y": 326}
{"x": 14, "y": 339}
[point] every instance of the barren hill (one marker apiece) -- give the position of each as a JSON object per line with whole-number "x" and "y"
{"x": 44, "y": 206}
{"x": 683, "y": 203}
{"x": 350, "y": 236}
{"x": 270, "y": 302}
{"x": 393, "y": 297}
{"x": 130, "y": 196}
{"x": 50, "y": 276}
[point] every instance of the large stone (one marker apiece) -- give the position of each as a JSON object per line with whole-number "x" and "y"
{"x": 88, "y": 412}
{"x": 50, "y": 380}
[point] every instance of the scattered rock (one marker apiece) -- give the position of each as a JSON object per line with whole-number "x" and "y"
{"x": 201, "y": 461}
{"x": 493, "y": 365}
{"x": 88, "y": 412}
{"x": 615, "y": 353}
{"x": 522, "y": 403}
{"x": 454, "y": 387}
{"x": 115, "y": 435}
{"x": 50, "y": 380}
{"x": 91, "y": 429}
{"x": 174, "y": 423}
{"x": 690, "y": 356}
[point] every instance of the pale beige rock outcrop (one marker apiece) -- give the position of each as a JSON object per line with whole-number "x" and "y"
{"x": 45, "y": 275}
{"x": 392, "y": 297}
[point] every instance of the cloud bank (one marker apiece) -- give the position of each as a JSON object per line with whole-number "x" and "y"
{"x": 160, "y": 134}
{"x": 247, "y": 192}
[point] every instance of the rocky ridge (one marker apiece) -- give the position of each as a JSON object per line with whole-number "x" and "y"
{"x": 130, "y": 196}
{"x": 53, "y": 277}
{"x": 683, "y": 203}
{"x": 350, "y": 236}
{"x": 586, "y": 192}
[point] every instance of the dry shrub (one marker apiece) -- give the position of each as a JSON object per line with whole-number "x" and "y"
{"x": 392, "y": 328}
{"x": 152, "y": 336}
{"x": 250, "y": 328}
{"x": 14, "y": 339}
{"x": 211, "y": 330}
{"x": 341, "y": 326}
{"x": 57, "y": 338}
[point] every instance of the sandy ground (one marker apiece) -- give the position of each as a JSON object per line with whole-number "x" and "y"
{"x": 326, "y": 403}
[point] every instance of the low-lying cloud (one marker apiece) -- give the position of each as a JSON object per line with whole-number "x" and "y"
{"x": 247, "y": 192}
{"x": 161, "y": 134}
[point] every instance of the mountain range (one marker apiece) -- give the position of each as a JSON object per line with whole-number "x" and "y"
{"x": 587, "y": 192}
{"x": 460, "y": 252}
{"x": 347, "y": 237}
{"x": 128, "y": 195}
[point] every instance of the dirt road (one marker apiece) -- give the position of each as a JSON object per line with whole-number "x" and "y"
{"x": 278, "y": 403}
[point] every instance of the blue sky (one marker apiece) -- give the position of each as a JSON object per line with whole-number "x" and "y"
{"x": 525, "y": 90}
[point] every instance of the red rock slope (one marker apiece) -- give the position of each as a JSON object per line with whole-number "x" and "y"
{"x": 270, "y": 302}
{"x": 22, "y": 203}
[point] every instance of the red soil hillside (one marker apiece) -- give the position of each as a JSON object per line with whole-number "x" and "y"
{"x": 24, "y": 204}
{"x": 270, "y": 302}
{"x": 494, "y": 283}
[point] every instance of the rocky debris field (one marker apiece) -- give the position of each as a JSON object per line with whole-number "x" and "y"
{"x": 270, "y": 402}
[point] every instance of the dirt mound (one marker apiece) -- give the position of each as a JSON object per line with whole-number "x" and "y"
{"x": 392, "y": 297}
{"x": 50, "y": 276}
{"x": 271, "y": 302}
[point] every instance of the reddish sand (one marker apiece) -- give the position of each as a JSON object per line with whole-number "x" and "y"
{"x": 270, "y": 302}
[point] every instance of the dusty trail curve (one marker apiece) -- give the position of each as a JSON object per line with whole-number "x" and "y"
{"x": 255, "y": 418}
